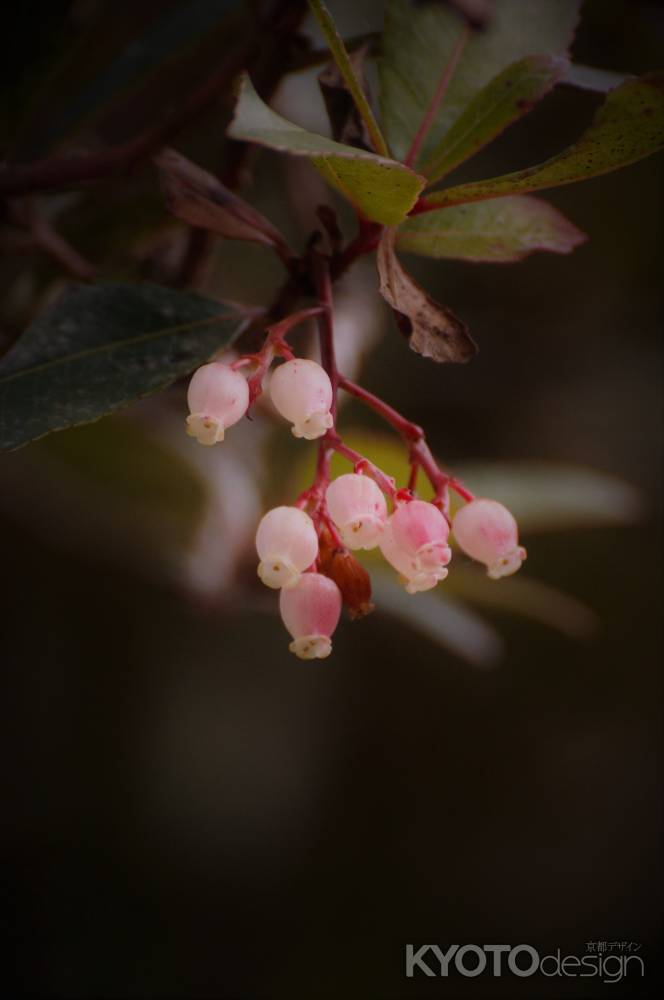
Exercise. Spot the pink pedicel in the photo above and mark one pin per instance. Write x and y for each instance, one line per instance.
(416, 574)
(287, 544)
(357, 507)
(302, 392)
(486, 531)
(310, 611)
(421, 531)
(218, 397)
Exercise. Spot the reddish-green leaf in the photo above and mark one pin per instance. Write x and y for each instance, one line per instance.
(509, 96)
(383, 190)
(628, 127)
(501, 230)
(418, 43)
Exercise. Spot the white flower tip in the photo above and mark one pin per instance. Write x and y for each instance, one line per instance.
(425, 580)
(314, 426)
(311, 647)
(206, 429)
(278, 573)
(362, 534)
(507, 564)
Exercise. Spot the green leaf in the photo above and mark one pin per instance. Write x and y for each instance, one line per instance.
(628, 127)
(383, 190)
(343, 61)
(418, 43)
(101, 347)
(509, 96)
(501, 230)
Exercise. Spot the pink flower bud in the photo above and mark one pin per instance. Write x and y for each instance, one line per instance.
(218, 397)
(287, 544)
(357, 507)
(302, 392)
(486, 531)
(416, 576)
(421, 531)
(310, 611)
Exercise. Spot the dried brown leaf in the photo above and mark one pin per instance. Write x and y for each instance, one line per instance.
(431, 328)
(347, 124)
(199, 198)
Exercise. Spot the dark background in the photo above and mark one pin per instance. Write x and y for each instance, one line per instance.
(189, 811)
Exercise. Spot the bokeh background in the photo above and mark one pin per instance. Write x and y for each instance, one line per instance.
(188, 809)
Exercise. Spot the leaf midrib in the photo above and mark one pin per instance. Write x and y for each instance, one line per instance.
(90, 352)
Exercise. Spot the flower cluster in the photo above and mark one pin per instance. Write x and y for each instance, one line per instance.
(306, 551)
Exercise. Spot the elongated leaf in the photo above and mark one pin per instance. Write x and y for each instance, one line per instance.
(98, 349)
(591, 78)
(200, 199)
(418, 43)
(348, 72)
(509, 96)
(628, 127)
(501, 230)
(383, 190)
(431, 328)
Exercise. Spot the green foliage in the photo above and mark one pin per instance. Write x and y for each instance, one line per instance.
(628, 127)
(98, 349)
(383, 190)
(501, 230)
(342, 59)
(509, 96)
(419, 41)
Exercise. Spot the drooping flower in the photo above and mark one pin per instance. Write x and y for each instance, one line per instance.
(421, 531)
(310, 611)
(287, 544)
(302, 392)
(487, 531)
(218, 396)
(357, 507)
(416, 577)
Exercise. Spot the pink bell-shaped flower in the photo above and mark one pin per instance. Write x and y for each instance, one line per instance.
(486, 531)
(287, 544)
(357, 507)
(218, 397)
(416, 576)
(310, 611)
(302, 392)
(421, 531)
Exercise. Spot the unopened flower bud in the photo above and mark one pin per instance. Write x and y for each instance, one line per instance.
(310, 611)
(218, 397)
(486, 531)
(357, 507)
(302, 392)
(352, 580)
(416, 576)
(287, 544)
